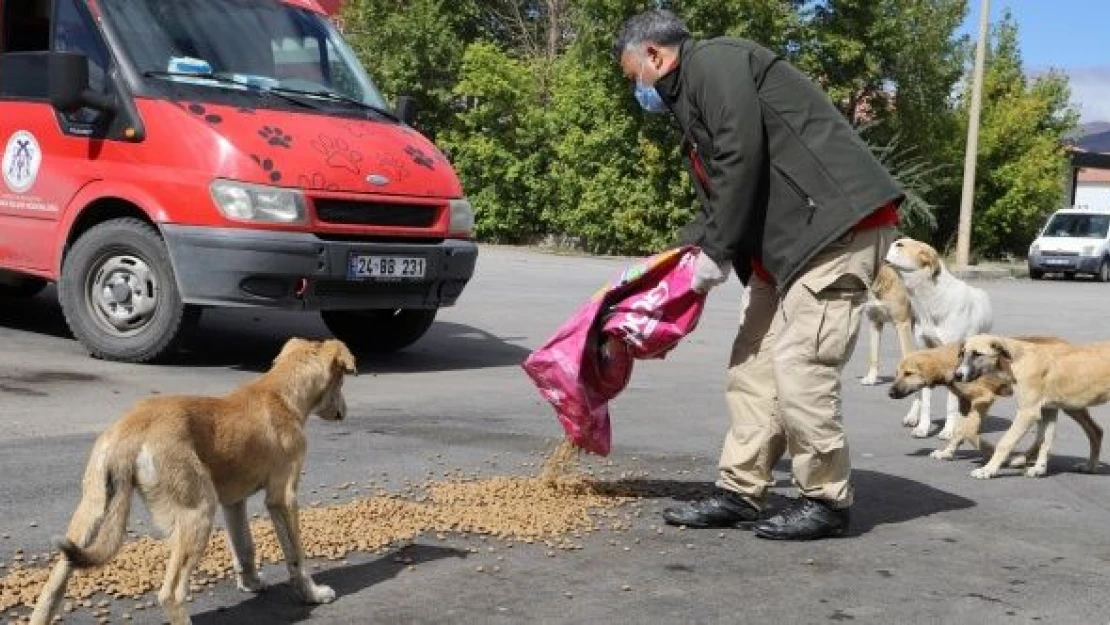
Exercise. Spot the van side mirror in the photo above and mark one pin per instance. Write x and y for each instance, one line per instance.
(68, 84)
(406, 109)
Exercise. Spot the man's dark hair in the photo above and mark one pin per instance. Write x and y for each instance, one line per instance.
(658, 26)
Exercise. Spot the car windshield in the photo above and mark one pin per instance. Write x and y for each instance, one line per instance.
(1081, 226)
(264, 44)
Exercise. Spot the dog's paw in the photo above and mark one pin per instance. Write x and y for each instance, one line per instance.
(1037, 470)
(318, 593)
(1086, 467)
(911, 419)
(1017, 461)
(871, 379)
(947, 433)
(942, 454)
(982, 473)
(250, 583)
(922, 430)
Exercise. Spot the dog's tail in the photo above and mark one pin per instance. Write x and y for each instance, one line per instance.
(100, 521)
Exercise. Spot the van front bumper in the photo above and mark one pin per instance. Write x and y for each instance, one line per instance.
(301, 271)
(1079, 264)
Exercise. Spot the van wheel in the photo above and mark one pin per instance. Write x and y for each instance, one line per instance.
(23, 287)
(119, 294)
(1103, 274)
(1036, 274)
(378, 331)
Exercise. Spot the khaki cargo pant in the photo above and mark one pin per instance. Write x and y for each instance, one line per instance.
(784, 373)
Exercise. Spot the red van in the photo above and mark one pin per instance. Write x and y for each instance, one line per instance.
(162, 156)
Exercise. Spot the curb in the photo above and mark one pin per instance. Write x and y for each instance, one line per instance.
(990, 273)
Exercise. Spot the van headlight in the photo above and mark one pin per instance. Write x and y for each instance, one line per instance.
(241, 201)
(462, 218)
(1034, 249)
(1088, 250)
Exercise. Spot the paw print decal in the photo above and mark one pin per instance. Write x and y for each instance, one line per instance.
(275, 137)
(393, 167)
(357, 130)
(338, 154)
(419, 157)
(200, 111)
(267, 166)
(316, 181)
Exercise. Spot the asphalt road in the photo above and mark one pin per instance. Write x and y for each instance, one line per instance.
(929, 544)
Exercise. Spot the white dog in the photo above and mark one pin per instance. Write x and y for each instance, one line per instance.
(945, 310)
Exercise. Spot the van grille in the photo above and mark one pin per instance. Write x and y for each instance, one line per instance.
(375, 213)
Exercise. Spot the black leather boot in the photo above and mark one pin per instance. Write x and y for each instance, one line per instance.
(723, 509)
(806, 519)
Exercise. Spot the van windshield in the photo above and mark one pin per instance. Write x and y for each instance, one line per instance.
(257, 43)
(1078, 226)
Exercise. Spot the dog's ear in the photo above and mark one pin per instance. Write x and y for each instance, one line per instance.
(1001, 350)
(929, 258)
(290, 346)
(340, 355)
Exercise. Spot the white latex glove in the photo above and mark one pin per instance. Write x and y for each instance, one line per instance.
(708, 273)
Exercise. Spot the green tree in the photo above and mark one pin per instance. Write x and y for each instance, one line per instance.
(415, 47)
(1022, 162)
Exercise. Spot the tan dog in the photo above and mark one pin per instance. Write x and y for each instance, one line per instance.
(188, 455)
(1048, 378)
(889, 304)
(929, 368)
(945, 310)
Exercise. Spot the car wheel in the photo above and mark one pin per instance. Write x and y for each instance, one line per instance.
(378, 331)
(23, 287)
(119, 294)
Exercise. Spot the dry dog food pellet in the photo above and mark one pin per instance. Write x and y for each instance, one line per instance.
(558, 502)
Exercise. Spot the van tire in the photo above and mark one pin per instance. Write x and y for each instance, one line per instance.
(24, 287)
(123, 258)
(1103, 274)
(378, 331)
(1036, 274)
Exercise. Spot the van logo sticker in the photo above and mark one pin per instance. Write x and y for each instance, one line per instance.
(267, 166)
(22, 160)
(338, 154)
(275, 137)
(200, 111)
(419, 157)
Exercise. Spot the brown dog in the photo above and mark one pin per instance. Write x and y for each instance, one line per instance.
(933, 367)
(1048, 378)
(889, 304)
(188, 455)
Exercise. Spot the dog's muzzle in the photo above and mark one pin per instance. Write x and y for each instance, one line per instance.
(897, 392)
(962, 374)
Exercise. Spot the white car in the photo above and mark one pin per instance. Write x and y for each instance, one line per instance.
(1073, 241)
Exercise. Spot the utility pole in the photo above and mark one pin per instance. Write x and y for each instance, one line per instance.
(963, 236)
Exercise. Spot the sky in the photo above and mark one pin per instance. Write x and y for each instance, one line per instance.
(1070, 35)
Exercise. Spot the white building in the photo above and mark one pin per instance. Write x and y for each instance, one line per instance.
(1092, 189)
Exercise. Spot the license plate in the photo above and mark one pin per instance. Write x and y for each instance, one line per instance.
(1057, 262)
(361, 267)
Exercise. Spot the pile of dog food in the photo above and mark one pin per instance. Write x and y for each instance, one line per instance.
(555, 507)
